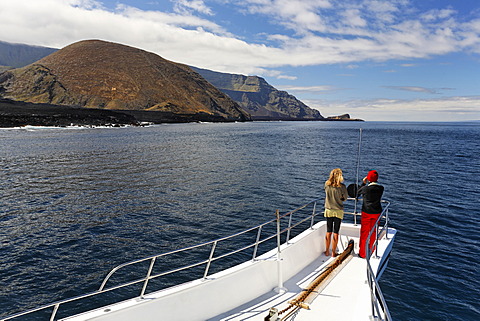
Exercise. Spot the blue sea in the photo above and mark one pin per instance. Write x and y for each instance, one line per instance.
(75, 202)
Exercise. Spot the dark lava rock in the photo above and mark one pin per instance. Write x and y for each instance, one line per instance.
(15, 114)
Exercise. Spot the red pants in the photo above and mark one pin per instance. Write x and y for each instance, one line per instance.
(368, 221)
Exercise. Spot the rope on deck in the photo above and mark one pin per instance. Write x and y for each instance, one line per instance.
(300, 300)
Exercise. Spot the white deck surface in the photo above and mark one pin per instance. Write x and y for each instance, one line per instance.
(347, 286)
(346, 296)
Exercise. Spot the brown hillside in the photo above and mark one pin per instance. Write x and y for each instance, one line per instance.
(101, 74)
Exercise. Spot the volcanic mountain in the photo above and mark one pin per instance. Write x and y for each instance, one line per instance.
(100, 74)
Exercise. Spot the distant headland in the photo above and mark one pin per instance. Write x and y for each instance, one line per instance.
(96, 82)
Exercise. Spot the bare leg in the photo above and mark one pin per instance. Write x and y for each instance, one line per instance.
(334, 244)
(328, 236)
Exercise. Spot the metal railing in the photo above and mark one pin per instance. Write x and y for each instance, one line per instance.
(380, 309)
(305, 213)
(259, 240)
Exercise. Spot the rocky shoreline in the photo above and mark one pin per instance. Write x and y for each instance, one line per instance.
(18, 114)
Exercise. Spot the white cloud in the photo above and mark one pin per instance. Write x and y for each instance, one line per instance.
(471, 36)
(287, 77)
(309, 89)
(384, 11)
(414, 89)
(324, 32)
(179, 21)
(354, 18)
(438, 14)
(441, 109)
(298, 15)
(172, 36)
(307, 33)
(187, 6)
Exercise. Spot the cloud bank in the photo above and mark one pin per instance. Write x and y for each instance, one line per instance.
(451, 108)
(314, 31)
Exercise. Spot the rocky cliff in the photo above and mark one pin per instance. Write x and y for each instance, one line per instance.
(259, 98)
(107, 75)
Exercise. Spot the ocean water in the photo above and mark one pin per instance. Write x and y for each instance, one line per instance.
(77, 202)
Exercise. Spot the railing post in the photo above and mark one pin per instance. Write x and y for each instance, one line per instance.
(279, 288)
(379, 305)
(313, 214)
(371, 284)
(256, 243)
(386, 223)
(289, 227)
(150, 268)
(54, 312)
(210, 260)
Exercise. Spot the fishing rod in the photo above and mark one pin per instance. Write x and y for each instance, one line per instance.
(356, 179)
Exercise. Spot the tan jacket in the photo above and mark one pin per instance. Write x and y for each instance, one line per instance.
(335, 196)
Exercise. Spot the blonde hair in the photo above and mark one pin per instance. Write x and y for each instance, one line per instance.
(336, 178)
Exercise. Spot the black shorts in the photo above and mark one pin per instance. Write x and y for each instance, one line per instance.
(333, 224)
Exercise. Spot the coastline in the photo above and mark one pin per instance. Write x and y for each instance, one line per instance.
(19, 114)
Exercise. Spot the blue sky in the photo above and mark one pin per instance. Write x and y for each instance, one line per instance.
(411, 60)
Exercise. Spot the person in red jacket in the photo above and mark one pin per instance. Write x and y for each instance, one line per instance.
(371, 209)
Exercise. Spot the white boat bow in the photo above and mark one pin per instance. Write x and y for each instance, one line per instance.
(264, 283)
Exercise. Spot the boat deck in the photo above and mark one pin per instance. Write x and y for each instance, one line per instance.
(344, 296)
(348, 285)
(249, 290)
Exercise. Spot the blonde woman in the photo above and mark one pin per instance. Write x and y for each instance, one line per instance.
(335, 194)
